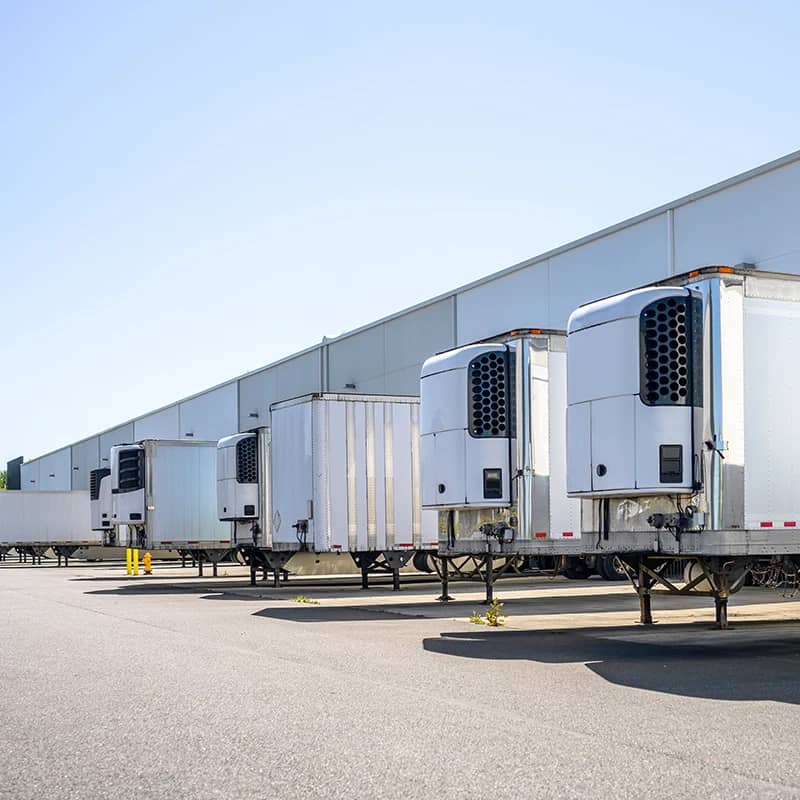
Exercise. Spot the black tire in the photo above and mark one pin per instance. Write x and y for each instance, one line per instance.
(421, 562)
(577, 570)
(608, 569)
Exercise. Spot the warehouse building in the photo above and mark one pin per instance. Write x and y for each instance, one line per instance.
(749, 219)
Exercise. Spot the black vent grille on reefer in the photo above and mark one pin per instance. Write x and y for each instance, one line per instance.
(131, 470)
(247, 460)
(490, 395)
(671, 337)
(95, 476)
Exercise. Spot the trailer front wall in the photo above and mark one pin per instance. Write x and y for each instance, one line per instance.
(181, 496)
(351, 468)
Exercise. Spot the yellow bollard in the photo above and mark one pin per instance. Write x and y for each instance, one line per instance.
(147, 561)
(129, 561)
(135, 560)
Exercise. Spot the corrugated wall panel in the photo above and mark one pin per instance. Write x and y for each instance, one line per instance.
(159, 425)
(121, 435)
(412, 338)
(85, 458)
(544, 294)
(291, 378)
(754, 221)
(518, 300)
(211, 415)
(631, 257)
(55, 471)
(256, 392)
(29, 473)
(357, 360)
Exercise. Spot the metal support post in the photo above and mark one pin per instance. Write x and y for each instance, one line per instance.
(199, 566)
(214, 569)
(645, 609)
(445, 595)
(489, 579)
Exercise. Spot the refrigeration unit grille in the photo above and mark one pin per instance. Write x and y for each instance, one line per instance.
(131, 470)
(490, 395)
(95, 476)
(247, 460)
(671, 348)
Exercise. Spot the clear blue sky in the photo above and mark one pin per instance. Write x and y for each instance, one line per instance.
(189, 190)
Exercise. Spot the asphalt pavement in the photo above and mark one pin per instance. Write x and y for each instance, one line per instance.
(174, 687)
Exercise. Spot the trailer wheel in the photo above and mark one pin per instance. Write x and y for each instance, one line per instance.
(577, 569)
(422, 562)
(610, 569)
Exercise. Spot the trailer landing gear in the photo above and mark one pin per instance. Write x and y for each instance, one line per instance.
(66, 552)
(716, 577)
(385, 561)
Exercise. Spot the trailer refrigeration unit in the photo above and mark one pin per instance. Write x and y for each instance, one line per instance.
(33, 522)
(163, 491)
(683, 429)
(493, 444)
(333, 473)
(101, 505)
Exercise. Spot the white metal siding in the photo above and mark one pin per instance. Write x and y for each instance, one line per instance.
(55, 472)
(755, 221)
(29, 475)
(544, 294)
(256, 393)
(357, 359)
(121, 435)
(159, 425)
(211, 415)
(85, 458)
(751, 218)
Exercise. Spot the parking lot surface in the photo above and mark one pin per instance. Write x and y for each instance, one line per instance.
(171, 686)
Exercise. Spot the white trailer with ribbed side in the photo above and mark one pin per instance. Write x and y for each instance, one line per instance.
(163, 495)
(333, 473)
(33, 522)
(683, 431)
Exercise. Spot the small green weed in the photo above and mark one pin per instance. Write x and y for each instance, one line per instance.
(303, 599)
(494, 616)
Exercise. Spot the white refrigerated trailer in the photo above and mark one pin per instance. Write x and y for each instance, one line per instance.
(164, 494)
(493, 443)
(33, 522)
(683, 431)
(333, 473)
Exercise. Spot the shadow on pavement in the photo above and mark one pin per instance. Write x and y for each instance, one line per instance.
(302, 612)
(747, 662)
